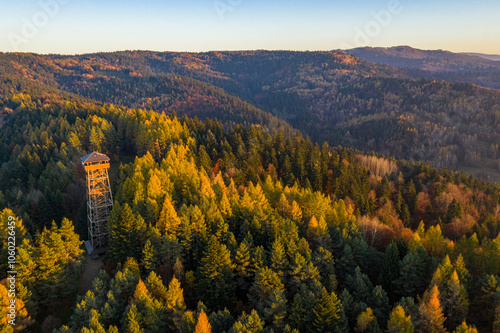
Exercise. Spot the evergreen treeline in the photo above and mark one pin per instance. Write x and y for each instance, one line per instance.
(236, 229)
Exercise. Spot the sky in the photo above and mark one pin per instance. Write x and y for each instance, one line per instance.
(86, 26)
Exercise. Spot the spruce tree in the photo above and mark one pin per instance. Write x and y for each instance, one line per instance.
(390, 269)
(301, 317)
(156, 287)
(242, 265)
(131, 322)
(148, 257)
(266, 281)
(327, 313)
(379, 302)
(127, 233)
(359, 285)
(276, 310)
(399, 322)
(216, 284)
(412, 279)
(278, 258)
(489, 297)
(455, 302)
(346, 263)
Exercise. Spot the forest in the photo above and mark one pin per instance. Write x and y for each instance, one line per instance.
(225, 227)
(327, 96)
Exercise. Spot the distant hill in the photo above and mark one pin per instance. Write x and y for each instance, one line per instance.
(432, 61)
(478, 69)
(493, 57)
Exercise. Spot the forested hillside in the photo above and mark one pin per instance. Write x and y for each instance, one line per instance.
(328, 96)
(237, 229)
(437, 65)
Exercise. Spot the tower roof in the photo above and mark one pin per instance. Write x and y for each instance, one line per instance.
(94, 157)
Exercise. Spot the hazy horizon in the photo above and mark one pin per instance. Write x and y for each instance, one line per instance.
(471, 53)
(69, 27)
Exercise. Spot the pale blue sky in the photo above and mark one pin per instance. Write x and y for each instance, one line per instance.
(83, 26)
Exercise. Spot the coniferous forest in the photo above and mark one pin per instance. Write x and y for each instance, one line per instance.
(228, 217)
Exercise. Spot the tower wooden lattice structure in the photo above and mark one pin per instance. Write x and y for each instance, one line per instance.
(99, 201)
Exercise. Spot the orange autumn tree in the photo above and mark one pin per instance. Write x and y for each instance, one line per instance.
(430, 311)
(203, 325)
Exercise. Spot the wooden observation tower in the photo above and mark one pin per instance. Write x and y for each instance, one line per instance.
(99, 201)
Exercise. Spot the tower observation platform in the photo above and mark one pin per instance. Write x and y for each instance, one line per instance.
(99, 201)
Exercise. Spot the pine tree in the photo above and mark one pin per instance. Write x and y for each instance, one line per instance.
(149, 257)
(248, 324)
(367, 322)
(154, 188)
(379, 302)
(414, 243)
(127, 233)
(156, 287)
(301, 316)
(141, 295)
(94, 326)
(434, 241)
(278, 258)
(169, 222)
(266, 281)
(454, 211)
(346, 262)
(276, 310)
(412, 279)
(323, 260)
(242, 265)
(464, 328)
(489, 295)
(399, 322)
(327, 313)
(430, 312)
(221, 321)
(283, 205)
(359, 285)
(390, 268)
(202, 325)
(302, 271)
(258, 259)
(384, 189)
(216, 284)
(454, 301)
(71, 240)
(225, 206)
(295, 212)
(463, 273)
(131, 323)
(175, 297)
